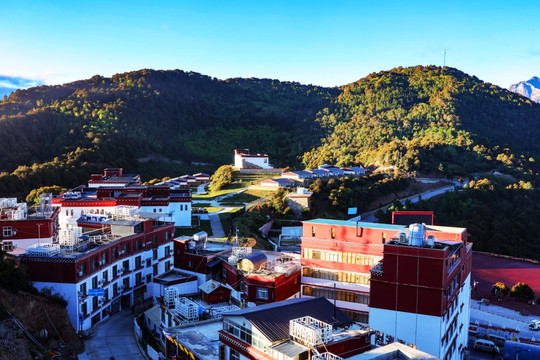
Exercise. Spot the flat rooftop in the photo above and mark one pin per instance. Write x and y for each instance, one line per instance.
(202, 340)
(370, 225)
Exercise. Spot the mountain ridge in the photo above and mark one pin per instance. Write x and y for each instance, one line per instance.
(425, 119)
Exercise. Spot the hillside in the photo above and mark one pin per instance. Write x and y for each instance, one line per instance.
(428, 120)
(421, 119)
(175, 115)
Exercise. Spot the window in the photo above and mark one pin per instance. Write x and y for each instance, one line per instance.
(114, 271)
(138, 262)
(82, 269)
(234, 355)
(106, 295)
(7, 246)
(125, 265)
(94, 302)
(137, 244)
(82, 288)
(333, 233)
(167, 266)
(167, 250)
(8, 231)
(313, 231)
(94, 282)
(114, 253)
(138, 278)
(125, 248)
(154, 254)
(105, 276)
(115, 288)
(94, 263)
(155, 269)
(105, 258)
(262, 293)
(84, 309)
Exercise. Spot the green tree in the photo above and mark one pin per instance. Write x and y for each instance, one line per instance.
(500, 289)
(221, 178)
(522, 291)
(33, 196)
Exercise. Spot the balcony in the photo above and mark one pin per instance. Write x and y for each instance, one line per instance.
(377, 270)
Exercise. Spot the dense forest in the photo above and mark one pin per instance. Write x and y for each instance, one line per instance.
(430, 120)
(57, 135)
(417, 120)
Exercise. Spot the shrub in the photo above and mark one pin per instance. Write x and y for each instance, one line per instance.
(500, 289)
(522, 291)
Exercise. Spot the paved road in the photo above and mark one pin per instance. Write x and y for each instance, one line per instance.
(217, 228)
(113, 338)
(370, 217)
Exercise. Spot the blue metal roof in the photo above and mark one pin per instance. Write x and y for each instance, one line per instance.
(368, 225)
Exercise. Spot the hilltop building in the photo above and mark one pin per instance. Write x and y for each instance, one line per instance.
(337, 257)
(420, 290)
(22, 227)
(103, 272)
(244, 160)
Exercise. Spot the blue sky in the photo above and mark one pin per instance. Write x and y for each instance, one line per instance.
(313, 42)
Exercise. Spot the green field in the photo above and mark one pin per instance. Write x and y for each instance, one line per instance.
(246, 197)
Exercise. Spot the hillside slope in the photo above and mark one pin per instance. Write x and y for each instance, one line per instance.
(430, 120)
(174, 114)
(420, 119)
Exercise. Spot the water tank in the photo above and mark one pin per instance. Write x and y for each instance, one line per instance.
(200, 236)
(431, 241)
(416, 234)
(252, 262)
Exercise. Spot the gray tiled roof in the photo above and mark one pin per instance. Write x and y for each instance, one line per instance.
(273, 319)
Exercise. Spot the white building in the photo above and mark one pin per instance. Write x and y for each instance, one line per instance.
(103, 272)
(244, 160)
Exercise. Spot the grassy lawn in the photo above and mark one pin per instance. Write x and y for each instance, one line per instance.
(212, 196)
(241, 181)
(205, 226)
(246, 197)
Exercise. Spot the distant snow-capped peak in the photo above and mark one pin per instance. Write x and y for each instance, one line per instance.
(529, 88)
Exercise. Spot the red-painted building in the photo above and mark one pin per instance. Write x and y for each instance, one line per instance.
(420, 291)
(102, 272)
(337, 257)
(21, 227)
(106, 193)
(214, 292)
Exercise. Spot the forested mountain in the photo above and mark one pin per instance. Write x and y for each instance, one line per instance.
(431, 120)
(59, 134)
(425, 119)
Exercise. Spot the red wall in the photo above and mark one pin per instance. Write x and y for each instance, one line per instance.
(221, 294)
(414, 279)
(65, 270)
(32, 228)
